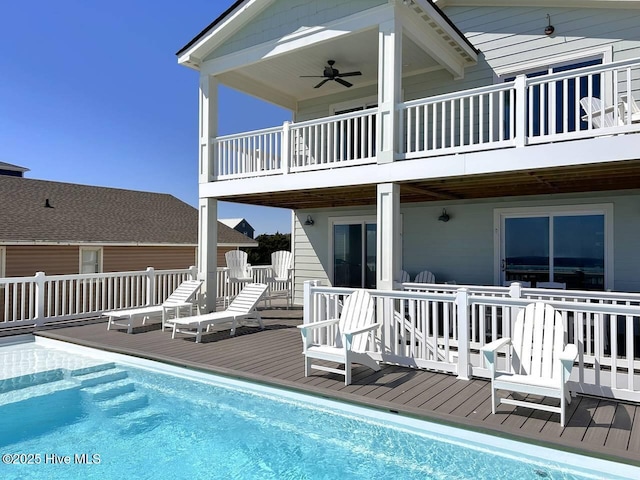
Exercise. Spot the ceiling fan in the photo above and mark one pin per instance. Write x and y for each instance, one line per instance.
(331, 73)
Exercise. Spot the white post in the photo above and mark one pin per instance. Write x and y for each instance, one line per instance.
(285, 148)
(208, 251)
(389, 88)
(208, 127)
(462, 304)
(388, 236)
(39, 294)
(308, 306)
(193, 272)
(151, 285)
(520, 114)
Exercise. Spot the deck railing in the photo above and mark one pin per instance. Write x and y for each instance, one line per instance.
(52, 298)
(226, 290)
(581, 103)
(443, 327)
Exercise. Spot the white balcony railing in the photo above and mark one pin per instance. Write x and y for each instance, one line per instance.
(52, 298)
(442, 327)
(581, 103)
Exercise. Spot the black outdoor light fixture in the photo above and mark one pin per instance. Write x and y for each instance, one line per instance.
(444, 217)
(309, 221)
(549, 29)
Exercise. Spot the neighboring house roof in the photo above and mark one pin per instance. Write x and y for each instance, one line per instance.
(90, 214)
(233, 222)
(13, 168)
(228, 237)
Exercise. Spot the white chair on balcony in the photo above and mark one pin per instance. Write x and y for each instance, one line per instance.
(540, 362)
(346, 345)
(405, 277)
(630, 105)
(238, 272)
(280, 281)
(425, 276)
(600, 116)
(182, 299)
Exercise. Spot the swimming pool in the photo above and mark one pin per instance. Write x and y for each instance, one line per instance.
(70, 412)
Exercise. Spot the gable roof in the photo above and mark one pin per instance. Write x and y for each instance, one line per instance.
(233, 222)
(13, 168)
(90, 214)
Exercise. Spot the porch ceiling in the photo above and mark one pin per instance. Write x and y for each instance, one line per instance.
(573, 179)
(355, 52)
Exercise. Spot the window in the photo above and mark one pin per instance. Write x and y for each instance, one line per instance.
(90, 260)
(354, 253)
(566, 245)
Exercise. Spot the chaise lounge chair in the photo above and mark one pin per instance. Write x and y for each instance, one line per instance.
(540, 362)
(243, 307)
(181, 298)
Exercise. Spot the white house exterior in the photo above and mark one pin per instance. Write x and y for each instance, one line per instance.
(529, 141)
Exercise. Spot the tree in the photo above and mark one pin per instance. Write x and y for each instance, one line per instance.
(267, 244)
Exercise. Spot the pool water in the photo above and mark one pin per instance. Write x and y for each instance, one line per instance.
(113, 420)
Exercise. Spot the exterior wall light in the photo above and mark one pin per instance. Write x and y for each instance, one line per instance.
(309, 221)
(549, 29)
(444, 217)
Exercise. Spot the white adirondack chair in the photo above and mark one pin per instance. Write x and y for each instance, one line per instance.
(425, 277)
(404, 277)
(281, 276)
(351, 340)
(239, 271)
(243, 307)
(540, 362)
(181, 299)
(599, 115)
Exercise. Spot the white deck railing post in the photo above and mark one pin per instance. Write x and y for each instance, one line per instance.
(285, 148)
(308, 302)
(520, 114)
(193, 272)
(40, 279)
(462, 306)
(151, 285)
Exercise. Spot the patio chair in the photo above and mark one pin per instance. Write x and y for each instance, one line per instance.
(238, 271)
(242, 308)
(354, 325)
(281, 276)
(404, 277)
(181, 299)
(540, 361)
(630, 105)
(425, 276)
(599, 116)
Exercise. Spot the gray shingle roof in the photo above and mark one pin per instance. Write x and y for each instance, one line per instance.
(83, 213)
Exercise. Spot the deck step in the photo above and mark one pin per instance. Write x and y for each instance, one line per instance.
(141, 420)
(108, 390)
(101, 376)
(123, 403)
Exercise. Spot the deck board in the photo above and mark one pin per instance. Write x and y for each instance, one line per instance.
(596, 427)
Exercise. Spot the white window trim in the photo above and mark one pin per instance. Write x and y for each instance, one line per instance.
(351, 104)
(93, 249)
(358, 219)
(606, 209)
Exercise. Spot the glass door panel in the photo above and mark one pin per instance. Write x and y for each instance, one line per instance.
(354, 255)
(578, 257)
(526, 250)
(371, 241)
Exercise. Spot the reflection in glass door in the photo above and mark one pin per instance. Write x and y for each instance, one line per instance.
(354, 255)
(526, 250)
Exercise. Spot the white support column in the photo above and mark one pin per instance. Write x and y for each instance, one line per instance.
(208, 251)
(389, 87)
(389, 240)
(208, 127)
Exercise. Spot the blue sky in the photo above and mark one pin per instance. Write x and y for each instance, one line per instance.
(91, 93)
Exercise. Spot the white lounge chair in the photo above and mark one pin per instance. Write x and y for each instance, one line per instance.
(425, 277)
(355, 324)
(181, 299)
(540, 362)
(238, 271)
(243, 307)
(281, 276)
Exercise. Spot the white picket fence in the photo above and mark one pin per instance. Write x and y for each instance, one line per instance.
(52, 298)
(442, 328)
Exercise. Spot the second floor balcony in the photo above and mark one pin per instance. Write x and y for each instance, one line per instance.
(594, 101)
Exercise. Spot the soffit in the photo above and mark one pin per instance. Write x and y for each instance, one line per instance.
(609, 176)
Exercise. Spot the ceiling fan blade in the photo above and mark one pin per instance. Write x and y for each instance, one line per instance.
(312, 76)
(322, 83)
(349, 74)
(343, 82)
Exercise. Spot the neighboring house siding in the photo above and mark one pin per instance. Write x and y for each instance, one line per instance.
(119, 259)
(222, 261)
(463, 248)
(26, 260)
(285, 17)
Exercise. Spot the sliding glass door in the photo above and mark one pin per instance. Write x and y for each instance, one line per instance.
(354, 254)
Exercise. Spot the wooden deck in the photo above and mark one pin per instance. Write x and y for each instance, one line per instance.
(597, 427)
